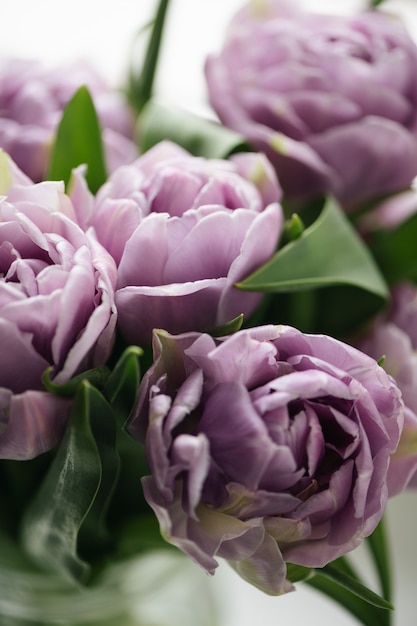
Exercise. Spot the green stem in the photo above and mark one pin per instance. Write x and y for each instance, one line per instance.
(141, 83)
(378, 547)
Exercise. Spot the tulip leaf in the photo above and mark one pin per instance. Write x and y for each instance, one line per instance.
(228, 328)
(201, 137)
(79, 141)
(141, 82)
(395, 250)
(297, 573)
(122, 386)
(96, 376)
(293, 229)
(121, 391)
(74, 494)
(378, 547)
(354, 586)
(367, 613)
(328, 252)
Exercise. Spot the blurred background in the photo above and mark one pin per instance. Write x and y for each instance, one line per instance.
(102, 34)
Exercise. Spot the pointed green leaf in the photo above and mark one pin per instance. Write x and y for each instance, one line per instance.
(366, 613)
(82, 472)
(79, 141)
(354, 586)
(343, 564)
(329, 252)
(229, 328)
(122, 386)
(293, 229)
(93, 533)
(96, 376)
(141, 81)
(199, 136)
(378, 547)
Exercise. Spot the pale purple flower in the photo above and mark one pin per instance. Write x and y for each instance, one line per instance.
(265, 447)
(332, 100)
(183, 230)
(56, 308)
(393, 338)
(32, 99)
(389, 213)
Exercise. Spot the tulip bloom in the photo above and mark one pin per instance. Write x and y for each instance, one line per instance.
(56, 308)
(265, 447)
(393, 337)
(32, 99)
(183, 230)
(331, 100)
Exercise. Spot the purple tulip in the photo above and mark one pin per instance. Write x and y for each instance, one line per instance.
(331, 100)
(183, 230)
(56, 308)
(393, 337)
(265, 447)
(390, 213)
(32, 99)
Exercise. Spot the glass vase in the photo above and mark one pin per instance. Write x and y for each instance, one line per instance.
(159, 588)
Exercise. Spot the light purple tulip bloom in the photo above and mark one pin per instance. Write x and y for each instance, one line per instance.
(389, 213)
(183, 230)
(331, 100)
(265, 447)
(56, 308)
(393, 338)
(32, 99)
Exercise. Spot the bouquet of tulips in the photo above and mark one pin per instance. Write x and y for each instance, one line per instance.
(208, 329)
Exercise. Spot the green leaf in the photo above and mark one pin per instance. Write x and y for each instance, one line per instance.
(75, 492)
(329, 252)
(122, 386)
(340, 582)
(297, 573)
(96, 376)
(395, 251)
(79, 141)
(94, 534)
(199, 136)
(229, 328)
(378, 547)
(366, 613)
(343, 564)
(354, 586)
(293, 229)
(141, 82)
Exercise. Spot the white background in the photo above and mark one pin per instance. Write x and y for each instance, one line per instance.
(102, 32)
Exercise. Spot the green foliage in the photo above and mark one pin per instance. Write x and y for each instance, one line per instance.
(73, 498)
(122, 385)
(96, 376)
(293, 229)
(378, 547)
(79, 141)
(141, 81)
(199, 136)
(229, 328)
(329, 252)
(364, 611)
